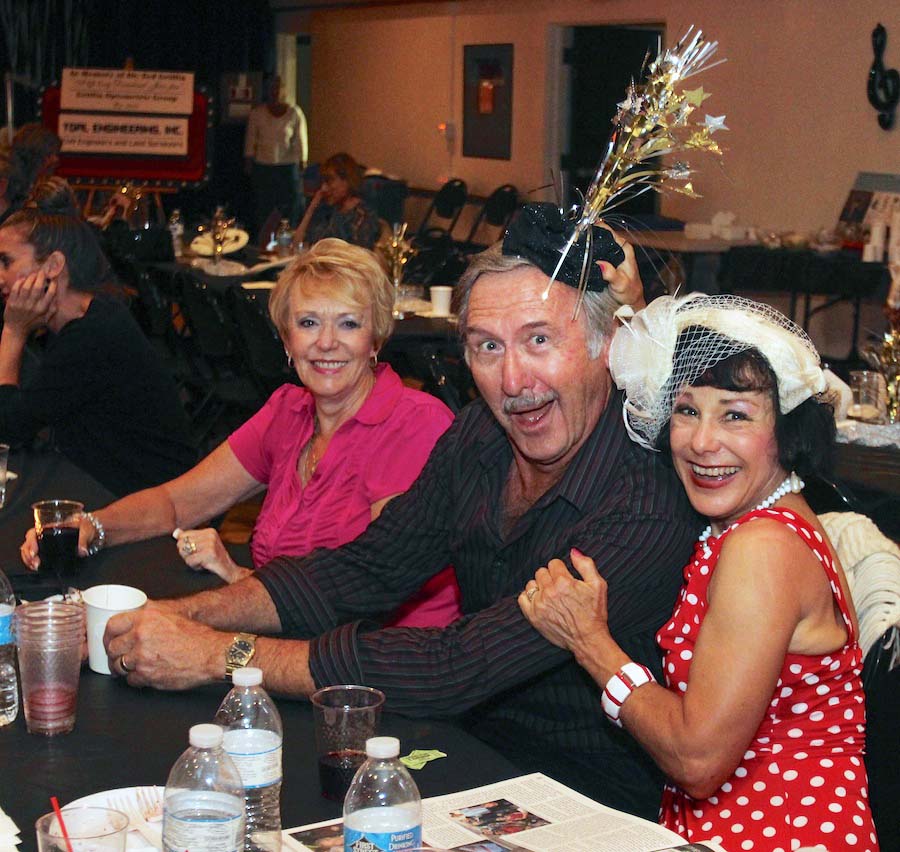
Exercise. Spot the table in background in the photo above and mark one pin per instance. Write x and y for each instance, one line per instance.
(687, 251)
(801, 273)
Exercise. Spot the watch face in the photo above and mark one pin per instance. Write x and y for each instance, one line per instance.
(240, 652)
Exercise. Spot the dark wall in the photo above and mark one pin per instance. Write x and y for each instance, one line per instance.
(208, 38)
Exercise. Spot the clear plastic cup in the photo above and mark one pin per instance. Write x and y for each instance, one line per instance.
(88, 828)
(49, 638)
(345, 717)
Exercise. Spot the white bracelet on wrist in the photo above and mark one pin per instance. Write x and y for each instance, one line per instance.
(620, 686)
(99, 534)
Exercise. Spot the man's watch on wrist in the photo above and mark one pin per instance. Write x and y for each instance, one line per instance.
(239, 653)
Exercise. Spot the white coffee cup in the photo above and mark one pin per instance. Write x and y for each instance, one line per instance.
(440, 301)
(103, 602)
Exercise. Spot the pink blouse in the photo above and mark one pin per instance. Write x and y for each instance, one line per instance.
(377, 453)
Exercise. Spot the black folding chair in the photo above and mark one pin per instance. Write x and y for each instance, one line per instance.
(496, 211)
(259, 340)
(226, 393)
(446, 206)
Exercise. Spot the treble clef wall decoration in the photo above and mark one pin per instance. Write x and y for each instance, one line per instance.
(884, 85)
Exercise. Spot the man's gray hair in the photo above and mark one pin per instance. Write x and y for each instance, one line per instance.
(598, 308)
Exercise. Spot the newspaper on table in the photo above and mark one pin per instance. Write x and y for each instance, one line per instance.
(532, 813)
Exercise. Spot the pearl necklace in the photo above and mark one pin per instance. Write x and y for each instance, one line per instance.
(793, 484)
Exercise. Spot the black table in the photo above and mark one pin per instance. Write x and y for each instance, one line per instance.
(125, 737)
(802, 274)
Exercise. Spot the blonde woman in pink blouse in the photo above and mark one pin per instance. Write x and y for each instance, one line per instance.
(331, 453)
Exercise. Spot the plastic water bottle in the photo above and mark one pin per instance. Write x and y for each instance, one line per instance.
(253, 737)
(284, 239)
(203, 807)
(176, 229)
(9, 686)
(382, 810)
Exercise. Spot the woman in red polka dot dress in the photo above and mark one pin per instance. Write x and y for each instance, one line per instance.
(761, 724)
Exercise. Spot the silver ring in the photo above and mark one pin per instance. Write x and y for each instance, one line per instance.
(531, 593)
(189, 546)
(123, 666)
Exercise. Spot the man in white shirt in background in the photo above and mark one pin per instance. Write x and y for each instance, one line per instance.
(275, 152)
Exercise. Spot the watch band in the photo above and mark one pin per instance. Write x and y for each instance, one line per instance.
(99, 533)
(239, 653)
(620, 686)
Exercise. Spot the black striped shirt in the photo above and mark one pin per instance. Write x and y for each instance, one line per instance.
(616, 502)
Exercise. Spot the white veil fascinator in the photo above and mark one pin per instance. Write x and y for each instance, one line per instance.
(706, 330)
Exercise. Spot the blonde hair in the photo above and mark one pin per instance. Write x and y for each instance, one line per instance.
(349, 273)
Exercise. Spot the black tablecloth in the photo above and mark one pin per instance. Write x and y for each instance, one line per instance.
(125, 737)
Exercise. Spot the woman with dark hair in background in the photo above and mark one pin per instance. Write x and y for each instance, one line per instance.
(760, 726)
(337, 210)
(12, 184)
(36, 151)
(113, 408)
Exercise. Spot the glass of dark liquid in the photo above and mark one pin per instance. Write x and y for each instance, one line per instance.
(56, 524)
(345, 717)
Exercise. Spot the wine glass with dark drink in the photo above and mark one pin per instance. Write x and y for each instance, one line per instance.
(56, 524)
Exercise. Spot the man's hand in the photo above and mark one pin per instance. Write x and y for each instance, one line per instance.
(31, 304)
(156, 647)
(624, 280)
(203, 550)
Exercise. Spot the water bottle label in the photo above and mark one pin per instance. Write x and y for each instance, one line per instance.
(225, 835)
(203, 821)
(6, 618)
(388, 841)
(257, 755)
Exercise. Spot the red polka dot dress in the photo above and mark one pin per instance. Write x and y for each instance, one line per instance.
(802, 780)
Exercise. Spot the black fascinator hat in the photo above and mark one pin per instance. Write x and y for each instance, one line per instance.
(541, 234)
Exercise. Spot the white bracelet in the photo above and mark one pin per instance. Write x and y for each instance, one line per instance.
(625, 681)
(99, 533)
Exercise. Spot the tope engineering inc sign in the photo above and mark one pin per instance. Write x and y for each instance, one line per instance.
(121, 111)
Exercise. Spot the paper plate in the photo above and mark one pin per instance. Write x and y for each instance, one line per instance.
(108, 798)
(235, 240)
(223, 267)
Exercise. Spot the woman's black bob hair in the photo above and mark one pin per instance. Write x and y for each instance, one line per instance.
(805, 436)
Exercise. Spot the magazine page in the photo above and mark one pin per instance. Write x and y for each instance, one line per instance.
(532, 812)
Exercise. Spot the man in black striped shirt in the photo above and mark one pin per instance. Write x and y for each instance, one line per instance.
(541, 464)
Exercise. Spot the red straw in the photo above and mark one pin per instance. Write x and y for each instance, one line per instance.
(62, 824)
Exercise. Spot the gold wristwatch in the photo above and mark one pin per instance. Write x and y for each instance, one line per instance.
(239, 653)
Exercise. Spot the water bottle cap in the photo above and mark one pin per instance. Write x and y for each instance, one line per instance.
(382, 747)
(206, 736)
(247, 676)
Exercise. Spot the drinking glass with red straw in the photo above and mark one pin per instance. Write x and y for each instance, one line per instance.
(62, 825)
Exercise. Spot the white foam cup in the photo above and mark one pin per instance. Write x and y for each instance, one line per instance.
(103, 602)
(440, 301)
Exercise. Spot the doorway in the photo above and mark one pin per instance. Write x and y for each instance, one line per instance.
(599, 63)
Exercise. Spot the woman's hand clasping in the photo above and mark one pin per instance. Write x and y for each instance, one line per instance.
(566, 611)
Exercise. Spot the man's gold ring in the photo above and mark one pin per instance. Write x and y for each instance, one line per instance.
(124, 666)
(531, 593)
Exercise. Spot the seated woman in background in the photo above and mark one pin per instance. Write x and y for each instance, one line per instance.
(337, 210)
(113, 407)
(761, 725)
(332, 453)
